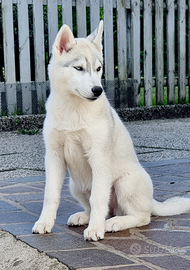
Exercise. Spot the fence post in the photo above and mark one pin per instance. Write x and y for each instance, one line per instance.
(122, 52)
(39, 50)
(108, 50)
(67, 13)
(52, 23)
(181, 51)
(94, 14)
(24, 54)
(189, 48)
(81, 18)
(159, 51)
(3, 110)
(147, 52)
(135, 47)
(9, 56)
(170, 51)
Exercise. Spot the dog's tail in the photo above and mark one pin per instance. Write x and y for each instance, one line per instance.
(170, 207)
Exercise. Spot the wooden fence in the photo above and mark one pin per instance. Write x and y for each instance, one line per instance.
(146, 49)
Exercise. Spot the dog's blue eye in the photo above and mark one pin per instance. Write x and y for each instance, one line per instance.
(79, 68)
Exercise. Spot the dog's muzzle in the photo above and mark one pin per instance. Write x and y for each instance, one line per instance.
(97, 91)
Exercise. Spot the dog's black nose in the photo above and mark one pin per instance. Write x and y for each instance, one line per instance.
(97, 90)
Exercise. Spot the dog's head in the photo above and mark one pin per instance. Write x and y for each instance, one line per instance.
(76, 64)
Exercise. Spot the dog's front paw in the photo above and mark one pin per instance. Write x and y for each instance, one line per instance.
(78, 219)
(42, 227)
(93, 234)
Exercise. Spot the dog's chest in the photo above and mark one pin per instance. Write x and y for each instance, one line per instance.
(76, 147)
(73, 148)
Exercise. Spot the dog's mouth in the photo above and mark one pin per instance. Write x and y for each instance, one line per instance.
(92, 99)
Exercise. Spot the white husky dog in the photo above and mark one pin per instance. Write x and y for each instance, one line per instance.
(84, 134)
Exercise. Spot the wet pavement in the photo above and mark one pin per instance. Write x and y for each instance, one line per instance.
(163, 147)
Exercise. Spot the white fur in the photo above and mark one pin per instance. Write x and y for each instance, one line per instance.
(87, 137)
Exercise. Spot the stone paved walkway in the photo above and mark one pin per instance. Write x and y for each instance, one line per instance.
(163, 244)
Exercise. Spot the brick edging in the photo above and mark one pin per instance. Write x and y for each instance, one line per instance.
(13, 123)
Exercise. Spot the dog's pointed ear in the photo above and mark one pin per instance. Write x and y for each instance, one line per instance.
(64, 40)
(96, 36)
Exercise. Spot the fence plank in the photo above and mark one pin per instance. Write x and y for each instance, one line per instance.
(94, 14)
(170, 21)
(2, 89)
(122, 51)
(39, 50)
(9, 57)
(147, 27)
(108, 49)
(135, 47)
(23, 31)
(159, 51)
(24, 54)
(52, 23)
(81, 18)
(67, 13)
(181, 51)
(128, 47)
(189, 46)
(129, 54)
(8, 41)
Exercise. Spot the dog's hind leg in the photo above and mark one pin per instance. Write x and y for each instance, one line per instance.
(134, 200)
(80, 218)
(120, 223)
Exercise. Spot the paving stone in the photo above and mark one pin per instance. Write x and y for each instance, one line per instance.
(183, 223)
(169, 170)
(177, 217)
(155, 224)
(64, 207)
(185, 175)
(62, 219)
(169, 238)
(16, 217)
(176, 186)
(5, 184)
(18, 189)
(34, 207)
(161, 193)
(26, 197)
(77, 229)
(18, 229)
(27, 179)
(134, 246)
(166, 162)
(40, 185)
(157, 184)
(163, 243)
(4, 207)
(56, 241)
(89, 257)
(169, 262)
(170, 178)
(125, 233)
(23, 228)
(135, 267)
(68, 207)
